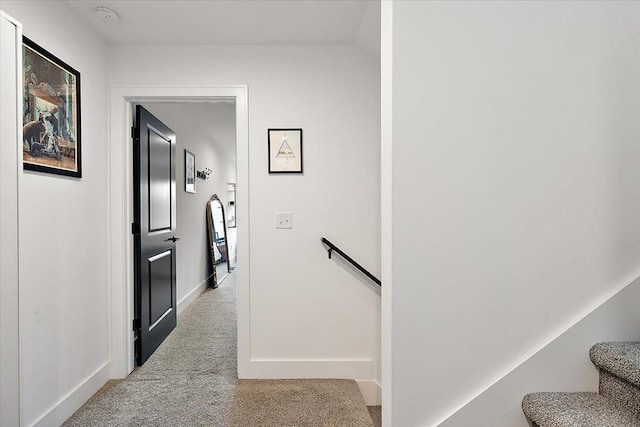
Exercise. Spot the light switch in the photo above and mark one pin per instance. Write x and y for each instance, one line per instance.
(283, 220)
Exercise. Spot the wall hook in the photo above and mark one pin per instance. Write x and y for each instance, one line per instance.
(204, 174)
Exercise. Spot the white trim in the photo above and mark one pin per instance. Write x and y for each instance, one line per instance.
(223, 278)
(193, 295)
(69, 404)
(386, 199)
(304, 368)
(371, 392)
(11, 410)
(242, 242)
(121, 207)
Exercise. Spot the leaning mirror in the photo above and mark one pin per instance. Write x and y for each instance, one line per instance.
(218, 244)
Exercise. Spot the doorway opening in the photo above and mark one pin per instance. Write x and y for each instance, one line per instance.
(206, 157)
(121, 179)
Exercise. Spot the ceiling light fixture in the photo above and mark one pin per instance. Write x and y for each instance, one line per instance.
(107, 16)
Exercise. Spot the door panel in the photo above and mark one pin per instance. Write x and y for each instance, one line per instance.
(155, 243)
(160, 272)
(159, 181)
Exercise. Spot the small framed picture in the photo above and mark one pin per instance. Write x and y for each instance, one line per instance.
(189, 172)
(51, 113)
(285, 150)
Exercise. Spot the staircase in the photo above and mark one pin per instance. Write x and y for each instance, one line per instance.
(616, 405)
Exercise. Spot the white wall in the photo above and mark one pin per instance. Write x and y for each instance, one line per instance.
(64, 328)
(206, 141)
(563, 365)
(515, 169)
(310, 316)
(368, 38)
(10, 128)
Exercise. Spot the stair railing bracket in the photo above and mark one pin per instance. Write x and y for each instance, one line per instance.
(331, 247)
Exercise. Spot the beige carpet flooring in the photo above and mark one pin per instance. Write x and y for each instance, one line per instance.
(376, 415)
(191, 380)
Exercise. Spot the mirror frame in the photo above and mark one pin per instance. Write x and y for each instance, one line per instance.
(209, 214)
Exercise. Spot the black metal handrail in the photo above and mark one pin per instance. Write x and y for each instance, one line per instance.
(364, 271)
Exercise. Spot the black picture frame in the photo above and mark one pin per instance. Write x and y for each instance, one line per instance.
(189, 172)
(285, 150)
(52, 137)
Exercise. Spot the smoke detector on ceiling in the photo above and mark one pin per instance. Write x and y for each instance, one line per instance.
(107, 16)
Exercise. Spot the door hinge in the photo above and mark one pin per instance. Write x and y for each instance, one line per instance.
(133, 132)
(136, 324)
(135, 228)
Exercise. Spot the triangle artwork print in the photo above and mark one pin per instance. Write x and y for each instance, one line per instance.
(285, 150)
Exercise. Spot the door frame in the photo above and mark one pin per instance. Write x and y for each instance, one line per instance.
(121, 280)
(11, 404)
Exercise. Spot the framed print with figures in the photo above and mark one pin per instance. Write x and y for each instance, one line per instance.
(51, 113)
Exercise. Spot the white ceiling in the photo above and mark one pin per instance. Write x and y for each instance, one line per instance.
(231, 21)
(234, 22)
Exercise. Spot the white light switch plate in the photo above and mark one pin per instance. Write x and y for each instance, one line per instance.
(283, 220)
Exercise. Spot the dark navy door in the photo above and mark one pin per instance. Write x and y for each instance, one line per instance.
(155, 232)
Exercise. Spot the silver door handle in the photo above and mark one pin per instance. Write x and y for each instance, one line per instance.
(173, 239)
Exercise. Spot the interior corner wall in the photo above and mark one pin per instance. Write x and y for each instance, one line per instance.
(517, 122)
(64, 330)
(206, 143)
(309, 316)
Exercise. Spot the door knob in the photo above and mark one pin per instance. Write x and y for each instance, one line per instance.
(173, 239)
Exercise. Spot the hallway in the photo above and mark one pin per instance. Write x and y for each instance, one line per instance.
(191, 380)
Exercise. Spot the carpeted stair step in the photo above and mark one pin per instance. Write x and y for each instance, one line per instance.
(619, 364)
(576, 409)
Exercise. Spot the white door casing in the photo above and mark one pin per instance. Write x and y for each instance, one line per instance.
(121, 212)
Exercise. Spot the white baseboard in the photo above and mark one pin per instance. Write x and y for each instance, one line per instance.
(69, 404)
(371, 391)
(193, 295)
(278, 369)
(221, 279)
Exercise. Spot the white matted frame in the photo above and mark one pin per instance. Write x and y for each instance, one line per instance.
(121, 212)
(285, 150)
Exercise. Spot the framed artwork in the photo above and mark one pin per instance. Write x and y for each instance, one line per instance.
(51, 113)
(285, 150)
(189, 172)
